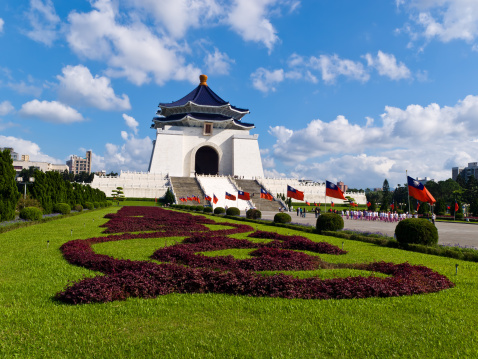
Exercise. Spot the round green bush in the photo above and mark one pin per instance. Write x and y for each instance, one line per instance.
(63, 208)
(282, 218)
(459, 216)
(219, 210)
(253, 214)
(417, 231)
(329, 222)
(96, 204)
(31, 213)
(109, 203)
(233, 211)
(78, 207)
(207, 209)
(200, 208)
(88, 205)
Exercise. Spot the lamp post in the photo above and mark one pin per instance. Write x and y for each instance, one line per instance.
(30, 181)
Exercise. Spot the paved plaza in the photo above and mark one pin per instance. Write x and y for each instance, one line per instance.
(459, 233)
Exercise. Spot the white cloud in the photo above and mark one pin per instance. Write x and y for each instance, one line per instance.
(333, 66)
(249, 19)
(1, 25)
(44, 21)
(265, 80)
(54, 112)
(386, 65)
(445, 20)
(426, 141)
(218, 63)
(78, 86)
(25, 89)
(6, 108)
(25, 147)
(133, 155)
(131, 50)
(131, 123)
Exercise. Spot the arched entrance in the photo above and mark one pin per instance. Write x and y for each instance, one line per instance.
(207, 161)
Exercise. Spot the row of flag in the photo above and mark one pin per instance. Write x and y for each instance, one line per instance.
(246, 196)
(331, 190)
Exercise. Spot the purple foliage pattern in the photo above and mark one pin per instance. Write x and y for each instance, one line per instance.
(185, 270)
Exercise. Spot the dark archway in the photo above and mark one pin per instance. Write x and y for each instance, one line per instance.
(207, 161)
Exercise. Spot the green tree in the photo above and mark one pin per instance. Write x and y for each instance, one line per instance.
(386, 196)
(169, 197)
(9, 193)
(118, 194)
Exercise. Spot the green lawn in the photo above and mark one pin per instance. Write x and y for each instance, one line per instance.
(32, 325)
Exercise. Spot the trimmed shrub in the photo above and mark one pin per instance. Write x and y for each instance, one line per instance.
(28, 202)
(109, 203)
(207, 209)
(31, 214)
(63, 208)
(282, 218)
(78, 207)
(459, 215)
(219, 210)
(253, 213)
(89, 205)
(96, 204)
(416, 231)
(233, 211)
(200, 208)
(329, 222)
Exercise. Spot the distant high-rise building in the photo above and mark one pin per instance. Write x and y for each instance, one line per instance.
(13, 154)
(465, 172)
(78, 164)
(343, 187)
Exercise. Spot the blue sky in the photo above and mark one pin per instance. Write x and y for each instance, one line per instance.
(357, 91)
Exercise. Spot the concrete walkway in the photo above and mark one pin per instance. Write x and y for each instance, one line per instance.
(458, 233)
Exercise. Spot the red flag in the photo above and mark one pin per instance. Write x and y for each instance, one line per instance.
(419, 192)
(214, 198)
(331, 190)
(315, 204)
(456, 206)
(307, 203)
(266, 195)
(418, 205)
(243, 195)
(333, 204)
(369, 204)
(293, 193)
(208, 198)
(230, 197)
(189, 199)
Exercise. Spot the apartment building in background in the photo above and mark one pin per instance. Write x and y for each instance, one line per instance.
(78, 164)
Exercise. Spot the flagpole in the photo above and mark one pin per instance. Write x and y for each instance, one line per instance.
(408, 191)
(325, 197)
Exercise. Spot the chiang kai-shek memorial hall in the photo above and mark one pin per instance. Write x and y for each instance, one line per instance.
(201, 134)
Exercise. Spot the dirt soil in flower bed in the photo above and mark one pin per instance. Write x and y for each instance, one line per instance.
(185, 269)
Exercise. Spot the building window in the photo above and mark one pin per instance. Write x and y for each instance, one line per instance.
(207, 130)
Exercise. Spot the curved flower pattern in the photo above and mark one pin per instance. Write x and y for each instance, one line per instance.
(188, 271)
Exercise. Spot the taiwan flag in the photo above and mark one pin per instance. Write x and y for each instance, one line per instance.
(230, 197)
(243, 195)
(315, 204)
(392, 206)
(307, 203)
(369, 204)
(419, 192)
(331, 190)
(293, 193)
(214, 198)
(456, 206)
(208, 198)
(418, 205)
(188, 198)
(332, 204)
(266, 195)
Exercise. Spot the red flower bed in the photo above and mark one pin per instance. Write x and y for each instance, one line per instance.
(202, 274)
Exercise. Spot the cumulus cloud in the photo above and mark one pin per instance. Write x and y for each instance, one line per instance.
(44, 21)
(131, 123)
(6, 108)
(332, 66)
(249, 19)
(131, 50)
(50, 111)
(218, 63)
(265, 80)
(132, 155)
(444, 20)
(78, 86)
(420, 139)
(25, 147)
(386, 65)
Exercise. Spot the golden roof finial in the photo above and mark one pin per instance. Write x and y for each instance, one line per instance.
(203, 80)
